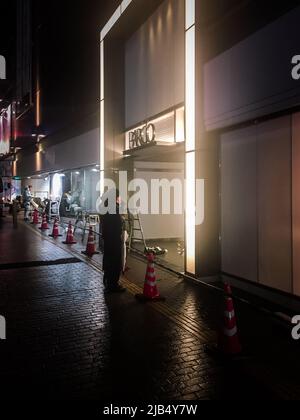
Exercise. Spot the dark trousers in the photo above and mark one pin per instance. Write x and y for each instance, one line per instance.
(111, 278)
(112, 263)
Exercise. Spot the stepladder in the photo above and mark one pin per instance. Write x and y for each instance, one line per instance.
(135, 230)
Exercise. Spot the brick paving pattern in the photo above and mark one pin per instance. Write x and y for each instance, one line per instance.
(67, 339)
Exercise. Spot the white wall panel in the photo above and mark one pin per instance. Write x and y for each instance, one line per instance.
(161, 226)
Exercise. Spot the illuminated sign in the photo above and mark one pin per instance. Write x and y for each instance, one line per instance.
(166, 129)
(142, 136)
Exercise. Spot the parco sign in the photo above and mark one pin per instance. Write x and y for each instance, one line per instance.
(2, 68)
(142, 136)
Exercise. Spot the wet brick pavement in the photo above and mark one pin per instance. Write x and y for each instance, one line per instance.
(67, 339)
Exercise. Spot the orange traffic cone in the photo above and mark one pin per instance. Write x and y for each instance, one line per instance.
(151, 292)
(35, 219)
(229, 343)
(44, 223)
(55, 233)
(91, 245)
(70, 236)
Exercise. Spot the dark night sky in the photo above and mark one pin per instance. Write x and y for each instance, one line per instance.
(7, 26)
(69, 34)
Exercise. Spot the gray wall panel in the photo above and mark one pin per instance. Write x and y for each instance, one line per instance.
(238, 189)
(154, 63)
(296, 204)
(253, 78)
(274, 203)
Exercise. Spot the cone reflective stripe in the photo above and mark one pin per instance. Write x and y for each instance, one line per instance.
(230, 333)
(150, 292)
(70, 236)
(55, 233)
(229, 315)
(44, 223)
(150, 275)
(91, 245)
(35, 219)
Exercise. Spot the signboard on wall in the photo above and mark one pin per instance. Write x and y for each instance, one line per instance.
(165, 129)
(5, 131)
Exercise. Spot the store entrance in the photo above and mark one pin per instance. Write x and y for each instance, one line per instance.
(161, 233)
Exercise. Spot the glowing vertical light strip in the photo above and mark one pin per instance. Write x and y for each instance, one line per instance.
(102, 149)
(190, 212)
(102, 70)
(190, 88)
(38, 108)
(190, 135)
(102, 121)
(190, 13)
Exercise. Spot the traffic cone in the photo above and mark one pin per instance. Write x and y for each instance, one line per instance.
(35, 219)
(70, 236)
(151, 292)
(55, 233)
(91, 245)
(44, 223)
(229, 343)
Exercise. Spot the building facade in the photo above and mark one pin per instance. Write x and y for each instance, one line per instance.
(224, 110)
(191, 90)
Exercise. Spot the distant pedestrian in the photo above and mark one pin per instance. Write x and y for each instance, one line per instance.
(112, 226)
(27, 198)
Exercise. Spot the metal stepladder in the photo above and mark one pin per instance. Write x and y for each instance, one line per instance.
(135, 226)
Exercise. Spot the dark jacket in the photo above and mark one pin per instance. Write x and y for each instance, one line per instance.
(112, 228)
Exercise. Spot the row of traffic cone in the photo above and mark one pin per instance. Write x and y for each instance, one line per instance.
(70, 240)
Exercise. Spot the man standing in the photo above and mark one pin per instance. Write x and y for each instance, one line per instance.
(27, 198)
(112, 231)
